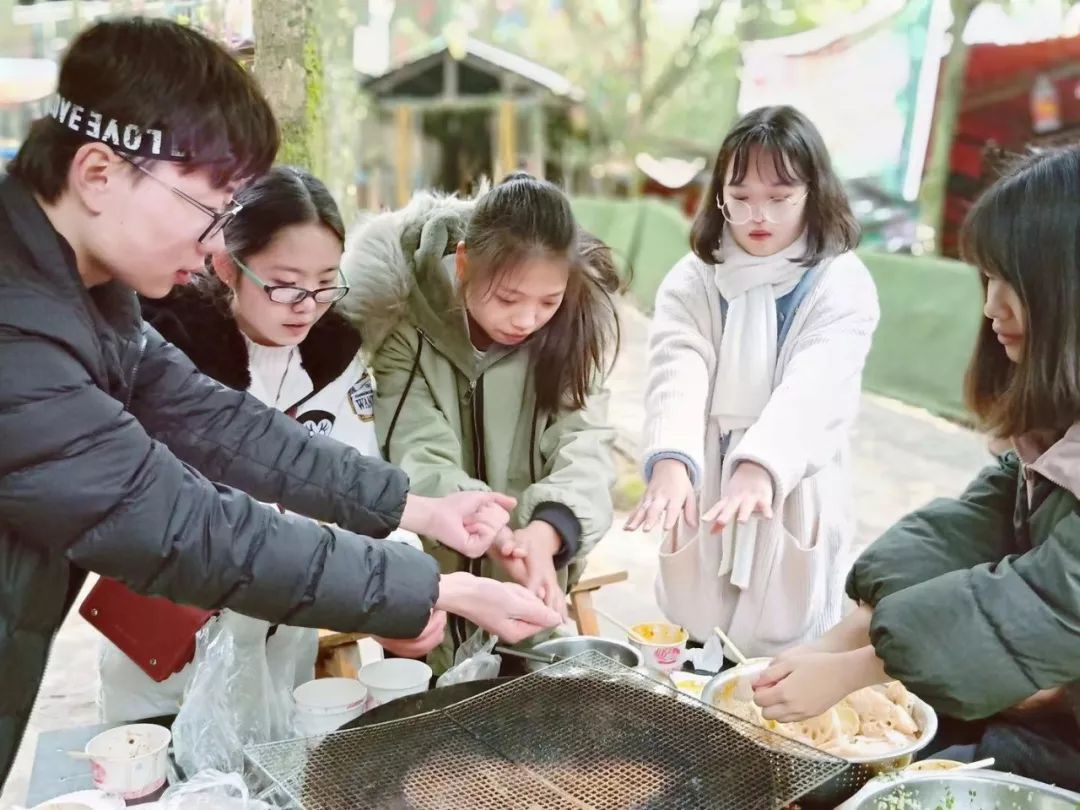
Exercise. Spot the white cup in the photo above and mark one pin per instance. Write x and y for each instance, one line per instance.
(662, 645)
(325, 704)
(394, 678)
(130, 761)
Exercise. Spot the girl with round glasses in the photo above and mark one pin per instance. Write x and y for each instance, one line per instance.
(755, 361)
(264, 322)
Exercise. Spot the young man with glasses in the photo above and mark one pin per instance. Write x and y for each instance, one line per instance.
(116, 455)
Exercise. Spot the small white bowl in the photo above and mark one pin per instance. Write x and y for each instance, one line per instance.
(393, 678)
(326, 704)
(130, 761)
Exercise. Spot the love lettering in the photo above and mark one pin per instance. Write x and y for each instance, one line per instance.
(128, 138)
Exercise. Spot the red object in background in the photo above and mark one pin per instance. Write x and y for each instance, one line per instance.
(996, 109)
(155, 633)
(688, 197)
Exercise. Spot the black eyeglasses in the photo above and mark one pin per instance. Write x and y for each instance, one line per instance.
(293, 295)
(218, 219)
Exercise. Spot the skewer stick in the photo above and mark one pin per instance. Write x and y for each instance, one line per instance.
(739, 657)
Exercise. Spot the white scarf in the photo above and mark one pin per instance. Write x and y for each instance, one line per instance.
(747, 364)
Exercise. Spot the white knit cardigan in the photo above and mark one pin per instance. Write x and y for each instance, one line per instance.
(796, 585)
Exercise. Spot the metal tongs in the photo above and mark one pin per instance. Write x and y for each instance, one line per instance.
(528, 655)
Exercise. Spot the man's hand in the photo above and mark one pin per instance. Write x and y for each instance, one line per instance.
(504, 609)
(467, 522)
(418, 647)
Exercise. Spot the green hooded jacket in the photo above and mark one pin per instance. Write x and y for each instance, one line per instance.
(456, 422)
(977, 599)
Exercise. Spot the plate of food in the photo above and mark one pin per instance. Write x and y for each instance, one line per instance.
(882, 726)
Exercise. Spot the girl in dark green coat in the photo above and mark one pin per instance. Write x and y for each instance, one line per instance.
(974, 603)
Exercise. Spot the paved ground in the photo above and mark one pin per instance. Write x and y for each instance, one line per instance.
(903, 457)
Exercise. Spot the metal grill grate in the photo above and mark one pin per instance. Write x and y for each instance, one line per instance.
(583, 734)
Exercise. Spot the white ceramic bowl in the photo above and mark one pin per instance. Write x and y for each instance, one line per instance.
(130, 761)
(393, 678)
(326, 704)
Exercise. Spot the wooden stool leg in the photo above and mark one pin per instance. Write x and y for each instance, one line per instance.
(584, 615)
(338, 662)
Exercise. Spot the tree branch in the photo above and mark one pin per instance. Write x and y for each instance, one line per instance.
(678, 67)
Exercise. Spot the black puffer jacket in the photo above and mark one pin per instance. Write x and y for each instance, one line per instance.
(110, 446)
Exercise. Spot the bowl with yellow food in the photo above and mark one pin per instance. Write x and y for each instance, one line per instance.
(662, 644)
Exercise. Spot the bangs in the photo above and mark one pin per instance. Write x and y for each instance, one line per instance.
(982, 241)
(768, 143)
(236, 139)
(232, 150)
(502, 270)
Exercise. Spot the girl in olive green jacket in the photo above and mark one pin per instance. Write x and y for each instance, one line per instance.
(974, 602)
(490, 322)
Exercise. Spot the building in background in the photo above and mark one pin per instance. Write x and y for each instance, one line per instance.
(461, 111)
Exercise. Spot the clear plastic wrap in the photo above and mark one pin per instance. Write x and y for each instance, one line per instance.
(210, 790)
(239, 695)
(473, 661)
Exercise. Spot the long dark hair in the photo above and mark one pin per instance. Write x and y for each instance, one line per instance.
(799, 155)
(524, 218)
(1025, 230)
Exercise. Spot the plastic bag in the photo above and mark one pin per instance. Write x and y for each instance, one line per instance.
(239, 695)
(473, 661)
(210, 790)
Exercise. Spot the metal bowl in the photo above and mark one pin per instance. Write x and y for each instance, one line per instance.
(573, 645)
(965, 790)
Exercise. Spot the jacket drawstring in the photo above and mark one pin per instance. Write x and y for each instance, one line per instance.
(404, 394)
(532, 442)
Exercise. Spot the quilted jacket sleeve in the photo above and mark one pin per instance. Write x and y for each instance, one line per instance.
(80, 476)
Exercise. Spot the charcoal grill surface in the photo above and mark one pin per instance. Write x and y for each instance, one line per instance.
(583, 734)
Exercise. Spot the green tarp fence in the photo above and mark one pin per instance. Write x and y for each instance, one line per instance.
(930, 307)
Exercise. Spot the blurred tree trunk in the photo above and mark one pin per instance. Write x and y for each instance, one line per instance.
(950, 92)
(288, 65)
(637, 62)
